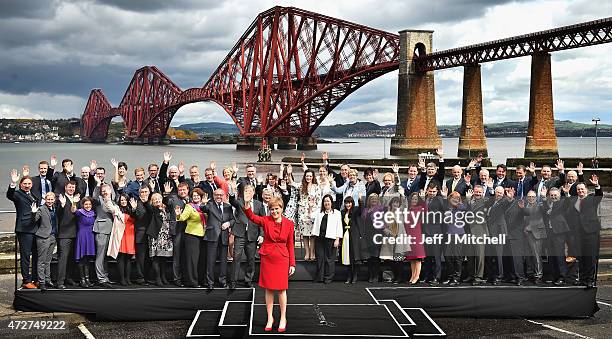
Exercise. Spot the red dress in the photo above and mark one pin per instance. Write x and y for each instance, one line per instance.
(417, 250)
(127, 241)
(276, 252)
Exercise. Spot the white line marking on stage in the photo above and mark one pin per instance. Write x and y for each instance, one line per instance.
(412, 323)
(195, 320)
(85, 331)
(223, 313)
(557, 329)
(371, 295)
(603, 303)
(398, 324)
(430, 320)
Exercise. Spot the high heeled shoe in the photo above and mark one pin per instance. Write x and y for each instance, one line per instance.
(269, 329)
(282, 329)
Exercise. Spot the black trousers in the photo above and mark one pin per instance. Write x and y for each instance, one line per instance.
(243, 246)
(326, 258)
(65, 259)
(517, 247)
(27, 249)
(432, 266)
(142, 261)
(556, 255)
(216, 249)
(177, 256)
(124, 265)
(494, 261)
(589, 250)
(194, 246)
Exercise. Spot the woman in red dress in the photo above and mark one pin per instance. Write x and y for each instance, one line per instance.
(413, 229)
(277, 260)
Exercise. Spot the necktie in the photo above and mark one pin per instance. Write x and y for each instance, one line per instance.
(214, 187)
(47, 189)
(520, 189)
(454, 185)
(220, 210)
(266, 209)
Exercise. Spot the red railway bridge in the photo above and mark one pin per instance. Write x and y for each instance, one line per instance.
(292, 67)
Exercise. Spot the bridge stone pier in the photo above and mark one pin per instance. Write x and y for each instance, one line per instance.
(541, 137)
(416, 130)
(306, 143)
(472, 140)
(286, 143)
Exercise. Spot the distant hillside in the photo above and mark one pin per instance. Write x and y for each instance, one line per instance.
(564, 128)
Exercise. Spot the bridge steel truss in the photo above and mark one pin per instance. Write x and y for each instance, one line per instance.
(292, 67)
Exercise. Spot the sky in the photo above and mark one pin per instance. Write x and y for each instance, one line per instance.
(54, 52)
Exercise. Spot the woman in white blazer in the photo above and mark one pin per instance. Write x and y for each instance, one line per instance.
(327, 229)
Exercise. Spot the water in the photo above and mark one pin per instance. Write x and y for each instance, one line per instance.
(16, 155)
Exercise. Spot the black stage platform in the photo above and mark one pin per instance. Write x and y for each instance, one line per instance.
(337, 309)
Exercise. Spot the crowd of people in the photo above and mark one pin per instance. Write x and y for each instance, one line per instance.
(160, 216)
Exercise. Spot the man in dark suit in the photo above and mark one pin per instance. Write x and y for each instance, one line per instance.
(523, 183)
(133, 187)
(247, 236)
(25, 226)
(515, 221)
(411, 184)
(583, 219)
(41, 184)
(432, 267)
(194, 178)
(496, 223)
(476, 259)
(547, 181)
(572, 178)
(140, 235)
(153, 173)
(433, 172)
(209, 186)
(170, 175)
(501, 179)
(457, 183)
(220, 220)
(249, 179)
(555, 219)
(177, 228)
(102, 228)
(339, 178)
(67, 231)
(61, 178)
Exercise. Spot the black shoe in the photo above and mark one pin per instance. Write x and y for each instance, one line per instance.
(50, 284)
(178, 283)
(232, 286)
(559, 282)
(327, 281)
(42, 287)
(496, 282)
(105, 285)
(477, 282)
(210, 287)
(446, 282)
(468, 280)
(577, 283)
(123, 283)
(223, 285)
(538, 281)
(435, 282)
(165, 281)
(70, 282)
(453, 283)
(590, 284)
(140, 281)
(61, 287)
(248, 284)
(520, 282)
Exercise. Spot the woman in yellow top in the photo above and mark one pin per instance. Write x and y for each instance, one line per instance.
(194, 234)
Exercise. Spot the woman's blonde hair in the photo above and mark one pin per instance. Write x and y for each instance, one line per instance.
(276, 201)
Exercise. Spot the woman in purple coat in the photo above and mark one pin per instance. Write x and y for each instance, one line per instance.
(85, 244)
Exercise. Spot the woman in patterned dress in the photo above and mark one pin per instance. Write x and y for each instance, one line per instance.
(160, 242)
(309, 191)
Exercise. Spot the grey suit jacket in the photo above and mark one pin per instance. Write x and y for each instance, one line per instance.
(44, 216)
(214, 220)
(534, 220)
(104, 218)
(243, 227)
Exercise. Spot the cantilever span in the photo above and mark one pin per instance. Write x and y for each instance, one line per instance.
(292, 67)
(286, 73)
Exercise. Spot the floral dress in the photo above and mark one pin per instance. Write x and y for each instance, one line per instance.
(162, 246)
(291, 208)
(304, 217)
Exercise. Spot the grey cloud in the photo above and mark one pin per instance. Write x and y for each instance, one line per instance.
(159, 5)
(28, 8)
